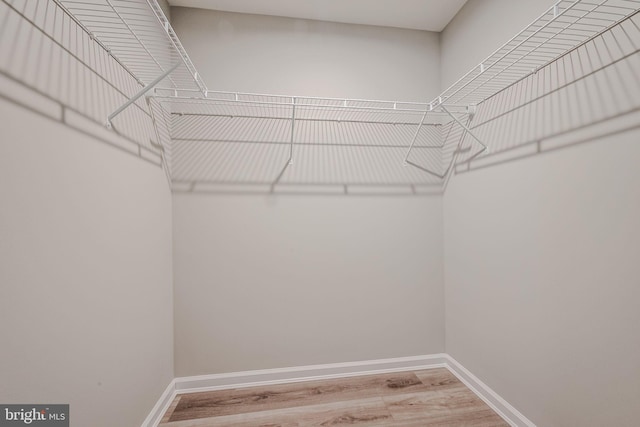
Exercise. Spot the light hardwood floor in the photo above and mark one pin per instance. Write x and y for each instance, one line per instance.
(431, 397)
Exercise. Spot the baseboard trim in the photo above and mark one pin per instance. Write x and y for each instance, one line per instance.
(264, 377)
(161, 406)
(306, 373)
(503, 408)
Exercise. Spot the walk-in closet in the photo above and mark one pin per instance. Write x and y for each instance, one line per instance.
(298, 213)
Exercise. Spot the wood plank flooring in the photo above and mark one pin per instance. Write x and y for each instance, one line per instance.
(431, 397)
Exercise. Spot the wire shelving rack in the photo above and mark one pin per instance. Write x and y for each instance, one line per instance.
(433, 137)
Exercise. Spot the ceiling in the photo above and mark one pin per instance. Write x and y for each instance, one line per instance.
(430, 15)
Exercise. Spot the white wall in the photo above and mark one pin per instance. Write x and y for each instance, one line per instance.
(274, 281)
(85, 271)
(541, 260)
(264, 54)
(282, 281)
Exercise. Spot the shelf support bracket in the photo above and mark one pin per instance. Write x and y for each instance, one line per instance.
(135, 97)
(415, 136)
(293, 124)
(466, 129)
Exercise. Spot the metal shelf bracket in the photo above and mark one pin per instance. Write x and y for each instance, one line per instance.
(466, 129)
(293, 124)
(135, 97)
(415, 136)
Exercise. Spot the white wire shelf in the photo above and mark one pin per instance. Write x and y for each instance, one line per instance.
(576, 48)
(137, 33)
(262, 106)
(564, 26)
(591, 91)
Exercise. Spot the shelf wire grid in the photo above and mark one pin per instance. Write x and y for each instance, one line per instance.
(140, 36)
(593, 88)
(565, 25)
(248, 141)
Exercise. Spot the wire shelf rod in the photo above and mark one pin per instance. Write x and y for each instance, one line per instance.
(364, 122)
(288, 98)
(189, 101)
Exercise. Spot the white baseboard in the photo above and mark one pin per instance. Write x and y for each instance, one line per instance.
(490, 397)
(201, 383)
(306, 373)
(161, 406)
